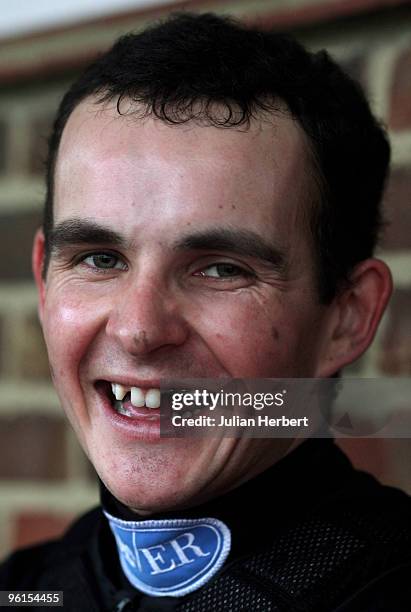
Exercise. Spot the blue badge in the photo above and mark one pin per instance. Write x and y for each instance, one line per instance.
(170, 557)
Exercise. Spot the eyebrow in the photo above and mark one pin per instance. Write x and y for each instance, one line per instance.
(83, 231)
(240, 242)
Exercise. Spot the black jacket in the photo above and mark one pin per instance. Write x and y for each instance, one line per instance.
(311, 534)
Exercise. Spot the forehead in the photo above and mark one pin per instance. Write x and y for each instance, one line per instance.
(259, 172)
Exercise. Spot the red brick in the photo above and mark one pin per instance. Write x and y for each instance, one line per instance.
(400, 104)
(397, 206)
(399, 459)
(32, 528)
(29, 351)
(395, 358)
(3, 145)
(32, 447)
(16, 239)
(2, 355)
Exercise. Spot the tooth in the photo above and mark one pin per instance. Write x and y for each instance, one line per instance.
(119, 391)
(153, 398)
(137, 397)
(120, 408)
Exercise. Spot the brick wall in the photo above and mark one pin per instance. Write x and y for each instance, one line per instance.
(44, 477)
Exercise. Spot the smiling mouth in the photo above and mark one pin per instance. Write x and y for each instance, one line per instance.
(139, 402)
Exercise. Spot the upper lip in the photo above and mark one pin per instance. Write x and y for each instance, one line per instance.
(132, 382)
(173, 382)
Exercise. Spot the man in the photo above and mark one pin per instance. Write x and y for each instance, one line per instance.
(213, 204)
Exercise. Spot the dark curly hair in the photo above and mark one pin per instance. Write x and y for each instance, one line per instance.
(180, 69)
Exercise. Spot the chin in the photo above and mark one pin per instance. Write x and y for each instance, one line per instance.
(147, 501)
(146, 493)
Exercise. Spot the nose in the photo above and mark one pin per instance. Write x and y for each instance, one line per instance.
(145, 318)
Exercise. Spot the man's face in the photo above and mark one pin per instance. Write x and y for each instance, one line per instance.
(204, 270)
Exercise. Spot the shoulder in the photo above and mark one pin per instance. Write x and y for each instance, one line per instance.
(349, 552)
(35, 566)
(361, 545)
(389, 591)
(375, 512)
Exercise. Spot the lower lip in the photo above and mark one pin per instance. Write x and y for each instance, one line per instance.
(143, 425)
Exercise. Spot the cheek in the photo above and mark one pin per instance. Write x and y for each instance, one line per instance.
(69, 326)
(248, 338)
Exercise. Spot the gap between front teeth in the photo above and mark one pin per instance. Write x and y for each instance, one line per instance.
(139, 398)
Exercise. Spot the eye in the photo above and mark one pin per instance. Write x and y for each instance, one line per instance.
(104, 261)
(224, 270)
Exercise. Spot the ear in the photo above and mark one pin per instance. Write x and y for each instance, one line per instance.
(354, 316)
(37, 261)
